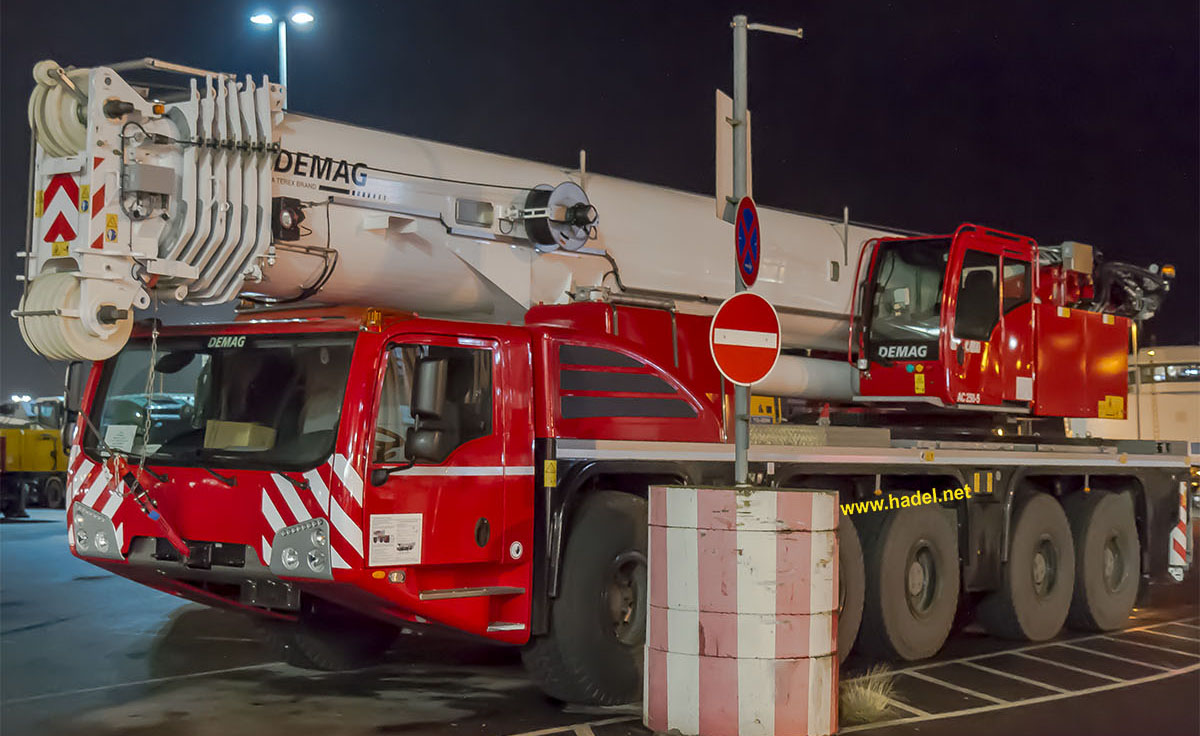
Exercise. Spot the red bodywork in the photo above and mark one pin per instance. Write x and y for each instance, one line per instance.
(490, 478)
(1041, 356)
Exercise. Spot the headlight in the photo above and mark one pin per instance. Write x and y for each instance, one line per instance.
(316, 560)
(290, 558)
(302, 551)
(81, 539)
(101, 542)
(95, 535)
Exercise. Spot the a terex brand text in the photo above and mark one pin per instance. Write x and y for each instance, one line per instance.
(320, 167)
(900, 352)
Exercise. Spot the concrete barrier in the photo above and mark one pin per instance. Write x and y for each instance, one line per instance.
(742, 637)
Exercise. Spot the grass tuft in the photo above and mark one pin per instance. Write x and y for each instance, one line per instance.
(865, 699)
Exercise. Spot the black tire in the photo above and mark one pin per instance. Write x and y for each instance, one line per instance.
(330, 639)
(1039, 578)
(852, 583)
(912, 575)
(1107, 560)
(593, 651)
(53, 493)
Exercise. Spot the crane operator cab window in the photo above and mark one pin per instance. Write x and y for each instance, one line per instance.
(433, 399)
(906, 303)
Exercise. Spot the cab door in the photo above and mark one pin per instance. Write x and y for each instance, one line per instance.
(989, 333)
(454, 457)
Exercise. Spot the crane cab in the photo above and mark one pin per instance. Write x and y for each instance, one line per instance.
(977, 319)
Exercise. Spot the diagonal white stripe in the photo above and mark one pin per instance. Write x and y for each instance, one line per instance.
(288, 491)
(336, 560)
(266, 547)
(318, 488)
(745, 338)
(346, 527)
(114, 503)
(271, 513)
(97, 487)
(120, 534)
(349, 476)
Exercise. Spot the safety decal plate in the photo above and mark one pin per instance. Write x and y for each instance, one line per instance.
(395, 539)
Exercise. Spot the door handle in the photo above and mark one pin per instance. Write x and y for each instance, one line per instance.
(961, 354)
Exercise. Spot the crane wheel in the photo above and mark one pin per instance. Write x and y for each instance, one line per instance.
(593, 652)
(330, 638)
(851, 586)
(1107, 560)
(1039, 578)
(53, 495)
(912, 576)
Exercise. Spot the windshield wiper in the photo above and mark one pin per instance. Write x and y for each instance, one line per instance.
(227, 480)
(301, 484)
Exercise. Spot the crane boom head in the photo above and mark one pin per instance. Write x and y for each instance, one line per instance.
(140, 194)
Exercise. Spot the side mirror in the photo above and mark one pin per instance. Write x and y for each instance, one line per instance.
(74, 385)
(429, 388)
(425, 444)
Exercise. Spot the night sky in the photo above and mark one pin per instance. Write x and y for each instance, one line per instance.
(1060, 120)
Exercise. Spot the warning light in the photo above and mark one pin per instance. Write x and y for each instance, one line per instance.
(159, 108)
(1169, 271)
(372, 320)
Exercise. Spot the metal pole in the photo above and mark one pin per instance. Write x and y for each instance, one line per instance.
(741, 394)
(1137, 379)
(283, 58)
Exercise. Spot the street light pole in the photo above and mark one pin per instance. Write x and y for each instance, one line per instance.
(741, 394)
(283, 57)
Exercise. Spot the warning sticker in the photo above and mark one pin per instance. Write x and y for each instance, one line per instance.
(919, 383)
(395, 539)
(110, 227)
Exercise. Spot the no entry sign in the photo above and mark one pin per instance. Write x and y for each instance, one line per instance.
(747, 241)
(744, 338)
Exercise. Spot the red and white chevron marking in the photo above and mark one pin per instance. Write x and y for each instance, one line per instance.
(98, 202)
(92, 485)
(284, 505)
(743, 625)
(1177, 555)
(60, 209)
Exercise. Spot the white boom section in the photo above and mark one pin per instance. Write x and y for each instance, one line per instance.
(224, 194)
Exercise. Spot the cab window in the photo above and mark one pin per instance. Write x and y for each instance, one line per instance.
(433, 400)
(978, 304)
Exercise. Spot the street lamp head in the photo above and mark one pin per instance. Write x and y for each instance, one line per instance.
(262, 19)
(302, 17)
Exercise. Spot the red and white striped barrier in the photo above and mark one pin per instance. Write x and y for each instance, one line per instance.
(742, 637)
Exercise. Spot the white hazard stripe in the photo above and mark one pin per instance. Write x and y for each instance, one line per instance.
(319, 490)
(745, 338)
(266, 547)
(85, 468)
(114, 503)
(349, 476)
(288, 491)
(345, 526)
(337, 561)
(271, 513)
(97, 487)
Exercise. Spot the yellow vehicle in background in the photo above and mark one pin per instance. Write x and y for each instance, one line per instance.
(33, 460)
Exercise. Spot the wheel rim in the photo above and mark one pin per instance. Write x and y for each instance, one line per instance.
(921, 578)
(1114, 562)
(1043, 569)
(625, 598)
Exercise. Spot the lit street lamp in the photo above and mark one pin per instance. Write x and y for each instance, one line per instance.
(300, 18)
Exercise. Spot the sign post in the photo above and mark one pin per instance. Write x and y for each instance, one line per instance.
(741, 394)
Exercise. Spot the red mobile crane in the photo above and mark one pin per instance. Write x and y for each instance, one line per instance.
(482, 465)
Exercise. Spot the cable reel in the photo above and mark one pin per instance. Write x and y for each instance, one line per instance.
(559, 217)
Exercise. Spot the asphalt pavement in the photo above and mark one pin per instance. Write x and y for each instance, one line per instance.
(85, 652)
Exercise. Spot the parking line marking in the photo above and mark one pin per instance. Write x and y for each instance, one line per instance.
(910, 708)
(133, 683)
(1173, 636)
(1114, 656)
(1019, 703)
(952, 686)
(1056, 663)
(575, 728)
(1151, 646)
(1019, 678)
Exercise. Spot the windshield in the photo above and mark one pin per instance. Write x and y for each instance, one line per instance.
(907, 299)
(269, 401)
